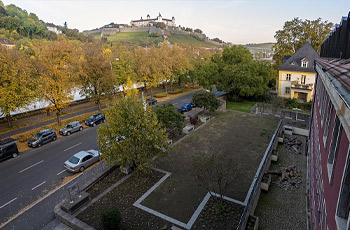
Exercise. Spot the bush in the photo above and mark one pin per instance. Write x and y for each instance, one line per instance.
(111, 219)
(193, 120)
(159, 95)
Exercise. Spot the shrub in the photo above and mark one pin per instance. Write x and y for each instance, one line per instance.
(159, 95)
(111, 219)
(193, 120)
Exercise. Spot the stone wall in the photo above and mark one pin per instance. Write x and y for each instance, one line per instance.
(87, 32)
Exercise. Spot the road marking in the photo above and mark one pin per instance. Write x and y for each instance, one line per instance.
(175, 103)
(184, 100)
(61, 172)
(31, 166)
(8, 202)
(72, 147)
(38, 185)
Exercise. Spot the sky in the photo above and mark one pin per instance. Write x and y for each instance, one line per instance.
(236, 21)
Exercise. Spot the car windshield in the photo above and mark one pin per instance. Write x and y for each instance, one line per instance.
(74, 160)
(92, 117)
(38, 135)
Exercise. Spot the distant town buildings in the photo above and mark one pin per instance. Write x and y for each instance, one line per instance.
(151, 21)
(296, 76)
(329, 149)
(52, 27)
(7, 43)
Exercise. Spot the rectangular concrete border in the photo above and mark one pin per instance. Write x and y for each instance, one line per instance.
(172, 220)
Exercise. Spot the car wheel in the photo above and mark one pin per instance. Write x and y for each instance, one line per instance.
(54, 138)
(68, 133)
(14, 155)
(81, 128)
(94, 124)
(38, 145)
(82, 169)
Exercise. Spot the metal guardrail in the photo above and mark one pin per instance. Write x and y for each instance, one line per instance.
(255, 186)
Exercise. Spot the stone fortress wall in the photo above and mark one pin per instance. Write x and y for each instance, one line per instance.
(152, 29)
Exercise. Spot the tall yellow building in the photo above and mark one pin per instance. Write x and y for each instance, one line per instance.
(296, 76)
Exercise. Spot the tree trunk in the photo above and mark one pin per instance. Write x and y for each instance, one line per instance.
(151, 93)
(98, 102)
(9, 121)
(58, 114)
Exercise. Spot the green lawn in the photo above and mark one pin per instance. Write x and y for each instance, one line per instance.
(243, 106)
(140, 38)
(188, 39)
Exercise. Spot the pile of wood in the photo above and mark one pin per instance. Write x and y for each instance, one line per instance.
(292, 145)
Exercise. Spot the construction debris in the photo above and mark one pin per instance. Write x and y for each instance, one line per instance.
(292, 145)
(289, 179)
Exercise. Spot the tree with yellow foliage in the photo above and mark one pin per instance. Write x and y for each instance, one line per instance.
(132, 136)
(96, 75)
(16, 84)
(58, 67)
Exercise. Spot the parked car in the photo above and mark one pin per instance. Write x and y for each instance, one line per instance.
(192, 104)
(71, 127)
(186, 107)
(151, 101)
(81, 160)
(42, 137)
(179, 110)
(95, 119)
(8, 148)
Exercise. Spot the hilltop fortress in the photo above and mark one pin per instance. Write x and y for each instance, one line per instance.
(151, 21)
(150, 25)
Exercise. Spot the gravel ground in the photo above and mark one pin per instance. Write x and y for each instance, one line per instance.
(284, 209)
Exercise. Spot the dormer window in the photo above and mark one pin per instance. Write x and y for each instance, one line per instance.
(304, 63)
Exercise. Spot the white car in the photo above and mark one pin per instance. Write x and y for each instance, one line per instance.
(81, 160)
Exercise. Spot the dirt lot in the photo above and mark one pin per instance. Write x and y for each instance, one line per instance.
(242, 137)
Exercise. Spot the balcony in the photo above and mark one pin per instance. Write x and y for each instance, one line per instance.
(297, 85)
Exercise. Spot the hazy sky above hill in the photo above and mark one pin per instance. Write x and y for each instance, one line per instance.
(237, 21)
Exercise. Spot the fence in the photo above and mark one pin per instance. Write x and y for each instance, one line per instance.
(253, 193)
(280, 113)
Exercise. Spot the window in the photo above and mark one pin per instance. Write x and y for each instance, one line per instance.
(343, 206)
(333, 149)
(304, 63)
(303, 79)
(287, 90)
(328, 120)
(288, 77)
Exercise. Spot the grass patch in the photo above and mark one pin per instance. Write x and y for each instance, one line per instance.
(243, 106)
(159, 95)
(188, 39)
(140, 38)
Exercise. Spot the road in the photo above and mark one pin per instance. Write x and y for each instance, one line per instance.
(37, 172)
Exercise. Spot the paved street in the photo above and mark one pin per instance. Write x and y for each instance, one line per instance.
(38, 172)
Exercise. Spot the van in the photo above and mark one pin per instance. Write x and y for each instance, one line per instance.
(8, 148)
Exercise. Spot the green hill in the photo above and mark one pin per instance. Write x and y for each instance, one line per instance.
(135, 38)
(188, 39)
(260, 47)
(145, 39)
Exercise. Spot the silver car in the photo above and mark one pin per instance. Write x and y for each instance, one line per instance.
(81, 160)
(71, 128)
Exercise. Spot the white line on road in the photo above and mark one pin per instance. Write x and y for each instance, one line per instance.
(8, 202)
(38, 185)
(31, 166)
(61, 172)
(72, 147)
(184, 100)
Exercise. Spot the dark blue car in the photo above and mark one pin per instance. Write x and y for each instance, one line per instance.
(186, 107)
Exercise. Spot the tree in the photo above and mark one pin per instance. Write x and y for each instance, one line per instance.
(198, 31)
(96, 75)
(169, 117)
(132, 134)
(235, 72)
(16, 84)
(58, 67)
(214, 173)
(207, 100)
(295, 33)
